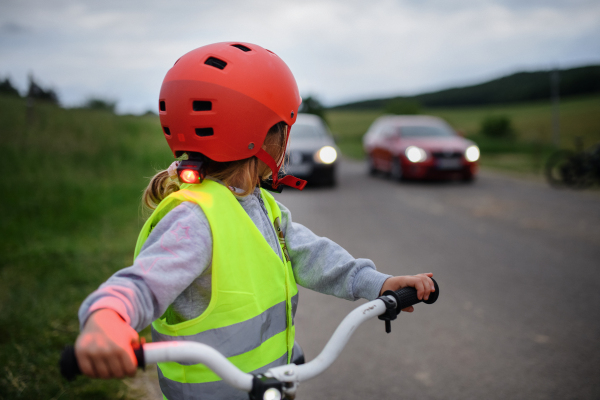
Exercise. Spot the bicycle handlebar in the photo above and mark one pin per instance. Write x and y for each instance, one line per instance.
(407, 296)
(386, 307)
(70, 369)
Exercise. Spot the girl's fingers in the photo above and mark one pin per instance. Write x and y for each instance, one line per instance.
(127, 363)
(85, 365)
(408, 309)
(423, 286)
(429, 286)
(100, 368)
(115, 369)
(426, 287)
(420, 288)
(428, 276)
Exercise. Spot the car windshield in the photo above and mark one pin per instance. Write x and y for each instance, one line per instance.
(425, 131)
(303, 132)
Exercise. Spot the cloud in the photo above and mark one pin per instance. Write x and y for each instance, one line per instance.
(11, 28)
(338, 50)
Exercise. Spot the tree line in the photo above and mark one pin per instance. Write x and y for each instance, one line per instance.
(518, 87)
(35, 91)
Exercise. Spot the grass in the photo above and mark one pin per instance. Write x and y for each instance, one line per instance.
(72, 181)
(579, 117)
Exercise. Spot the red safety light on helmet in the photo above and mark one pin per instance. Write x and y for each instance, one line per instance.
(190, 171)
(189, 176)
(221, 100)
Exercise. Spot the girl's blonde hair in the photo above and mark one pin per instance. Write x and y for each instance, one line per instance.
(241, 174)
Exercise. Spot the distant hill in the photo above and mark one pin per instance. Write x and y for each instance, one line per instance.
(519, 87)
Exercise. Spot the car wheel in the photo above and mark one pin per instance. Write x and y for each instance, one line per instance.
(371, 166)
(329, 178)
(468, 177)
(325, 178)
(396, 171)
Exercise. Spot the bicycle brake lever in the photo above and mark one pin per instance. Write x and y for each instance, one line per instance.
(390, 313)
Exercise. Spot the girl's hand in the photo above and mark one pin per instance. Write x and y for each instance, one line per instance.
(103, 348)
(421, 282)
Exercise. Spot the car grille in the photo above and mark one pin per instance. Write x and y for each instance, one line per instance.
(448, 161)
(298, 157)
(442, 154)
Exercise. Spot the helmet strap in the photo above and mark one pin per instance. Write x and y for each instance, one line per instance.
(286, 180)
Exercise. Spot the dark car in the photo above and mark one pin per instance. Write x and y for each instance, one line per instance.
(312, 154)
(419, 147)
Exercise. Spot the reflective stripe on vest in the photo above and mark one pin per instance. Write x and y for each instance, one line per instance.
(218, 390)
(254, 296)
(257, 330)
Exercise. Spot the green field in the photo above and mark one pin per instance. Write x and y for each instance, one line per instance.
(532, 123)
(72, 183)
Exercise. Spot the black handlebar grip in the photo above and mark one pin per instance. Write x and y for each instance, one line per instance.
(407, 296)
(70, 369)
(68, 363)
(138, 351)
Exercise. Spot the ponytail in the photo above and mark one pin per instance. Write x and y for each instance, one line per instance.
(160, 186)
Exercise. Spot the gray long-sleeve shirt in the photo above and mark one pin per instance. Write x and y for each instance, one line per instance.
(174, 267)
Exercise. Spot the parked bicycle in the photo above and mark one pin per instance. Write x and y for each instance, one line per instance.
(279, 382)
(574, 169)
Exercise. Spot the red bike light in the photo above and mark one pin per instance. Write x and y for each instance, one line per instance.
(189, 176)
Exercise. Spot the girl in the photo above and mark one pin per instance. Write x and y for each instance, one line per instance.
(219, 259)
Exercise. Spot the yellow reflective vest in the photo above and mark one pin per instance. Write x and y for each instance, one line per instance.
(254, 295)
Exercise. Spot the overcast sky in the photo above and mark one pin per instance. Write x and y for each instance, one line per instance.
(339, 50)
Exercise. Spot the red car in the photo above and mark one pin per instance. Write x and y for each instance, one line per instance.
(419, 147)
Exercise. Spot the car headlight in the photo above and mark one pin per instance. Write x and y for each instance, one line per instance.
(415, 154)
(472, 153)
(326, 155)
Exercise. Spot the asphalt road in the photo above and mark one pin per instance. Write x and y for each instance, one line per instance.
(518, 265)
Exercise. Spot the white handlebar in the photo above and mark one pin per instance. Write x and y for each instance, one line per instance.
(185, 352)
(339, 339)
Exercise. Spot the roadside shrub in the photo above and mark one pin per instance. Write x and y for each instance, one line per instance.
(497, 126)
(35, 91)
(7, 88)
(100, 104)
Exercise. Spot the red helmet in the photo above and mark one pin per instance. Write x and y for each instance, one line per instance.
(221, 100)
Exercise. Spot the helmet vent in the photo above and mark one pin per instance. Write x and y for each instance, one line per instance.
(242, 47)
(167, 131)
(215, 62)
(202, 105)
(162, 106)
(203, 132)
